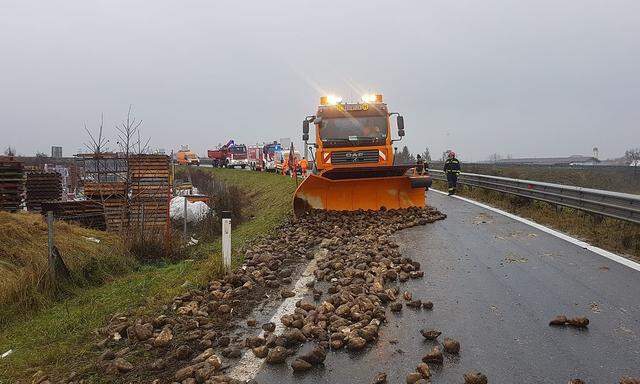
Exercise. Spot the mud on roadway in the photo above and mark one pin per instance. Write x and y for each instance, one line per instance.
(353, 277)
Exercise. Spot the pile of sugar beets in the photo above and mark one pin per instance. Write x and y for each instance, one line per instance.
(196, 338)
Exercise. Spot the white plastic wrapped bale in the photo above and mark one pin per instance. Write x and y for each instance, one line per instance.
(195, 211)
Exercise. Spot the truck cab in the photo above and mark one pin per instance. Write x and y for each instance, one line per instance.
(269, 152)
(237, 156)
(352, 135)
(255, 157)
(354, 164)
(187, 157)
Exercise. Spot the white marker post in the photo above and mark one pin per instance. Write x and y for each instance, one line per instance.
(184, 230)
(226, 240)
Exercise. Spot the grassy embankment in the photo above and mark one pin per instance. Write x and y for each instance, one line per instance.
(57, 337)
(92, 257)
(611, 234)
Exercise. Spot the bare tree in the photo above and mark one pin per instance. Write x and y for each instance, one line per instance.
(129, 134)
(97, 145)
(10, 151)
(426, 154)
(405, 157)
(632, 157)
(494, 157)
(131, 142)
(128, 141)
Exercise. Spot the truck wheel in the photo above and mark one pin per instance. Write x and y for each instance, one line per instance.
(243, 166)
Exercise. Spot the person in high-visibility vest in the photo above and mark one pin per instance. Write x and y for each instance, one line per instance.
(285, 166)
(452, 170)
(304, 164)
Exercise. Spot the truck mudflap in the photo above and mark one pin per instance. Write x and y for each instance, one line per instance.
(350, 194)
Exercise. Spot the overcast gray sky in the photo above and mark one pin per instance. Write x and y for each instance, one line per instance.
(527, 78)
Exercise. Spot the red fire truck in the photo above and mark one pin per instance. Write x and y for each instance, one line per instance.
(255, 157)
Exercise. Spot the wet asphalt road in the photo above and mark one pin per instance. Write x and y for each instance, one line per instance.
(495, 284)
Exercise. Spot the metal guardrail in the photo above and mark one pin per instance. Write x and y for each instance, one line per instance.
(623, 206)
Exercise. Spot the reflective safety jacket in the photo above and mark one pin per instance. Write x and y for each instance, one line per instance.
(452, 165)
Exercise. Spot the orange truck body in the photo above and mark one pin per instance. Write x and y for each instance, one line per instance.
(354, 166)
(187, 157)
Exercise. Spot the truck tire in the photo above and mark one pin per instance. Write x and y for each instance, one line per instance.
(243, 166)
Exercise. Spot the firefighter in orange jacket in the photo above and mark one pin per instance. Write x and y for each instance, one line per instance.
(285, 166)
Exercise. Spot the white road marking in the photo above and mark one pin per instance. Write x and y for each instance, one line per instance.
(249, 365)
(580, 243)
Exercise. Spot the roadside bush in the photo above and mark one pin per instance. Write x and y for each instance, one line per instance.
(222, 197)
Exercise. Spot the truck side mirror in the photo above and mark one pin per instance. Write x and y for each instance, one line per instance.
(305, 130)
(400, 123)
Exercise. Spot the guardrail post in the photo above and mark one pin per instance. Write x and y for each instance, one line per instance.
(226, 240)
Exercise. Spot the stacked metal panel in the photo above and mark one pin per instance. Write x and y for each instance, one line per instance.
(41, 187)
(112, 197)
(87, 213)
(150, 192)
(11, 183)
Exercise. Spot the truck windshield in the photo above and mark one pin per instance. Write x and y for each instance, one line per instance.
(341, 130)
(238, 149)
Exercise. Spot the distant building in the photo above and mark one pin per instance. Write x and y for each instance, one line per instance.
(56, 152)
(571, 160)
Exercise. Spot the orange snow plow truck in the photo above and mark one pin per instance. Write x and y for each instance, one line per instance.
(353, 160)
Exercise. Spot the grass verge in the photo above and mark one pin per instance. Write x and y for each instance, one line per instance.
(92, 257)
(611, 234)
(57, 339)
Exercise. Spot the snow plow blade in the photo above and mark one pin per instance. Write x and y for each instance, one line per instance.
(361, 188)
